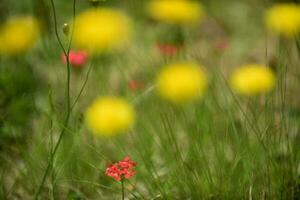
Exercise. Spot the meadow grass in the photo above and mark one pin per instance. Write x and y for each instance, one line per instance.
(224, 146)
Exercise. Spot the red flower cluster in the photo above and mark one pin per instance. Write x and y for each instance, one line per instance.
(122, 169)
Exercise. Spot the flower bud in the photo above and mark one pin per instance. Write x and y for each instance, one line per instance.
(66, 29)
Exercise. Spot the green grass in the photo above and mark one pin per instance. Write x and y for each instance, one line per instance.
(221, 147)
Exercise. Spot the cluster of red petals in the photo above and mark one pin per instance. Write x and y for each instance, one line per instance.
(169, 49)
(77, 58)
(122, 169)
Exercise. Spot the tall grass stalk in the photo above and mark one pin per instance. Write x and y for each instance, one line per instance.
(66, 52)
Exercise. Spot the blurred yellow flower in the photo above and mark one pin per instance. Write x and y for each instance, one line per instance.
(18, 35)
(284, 19)
(176, 11)
(108, 116)
(252, 80)
(98, 30)
(181, 82)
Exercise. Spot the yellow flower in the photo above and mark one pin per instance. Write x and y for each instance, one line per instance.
(109, 116)
(175, 11)
(252, 80)
(181, 82)
(284, 19)
(18, 35)
(101, 29)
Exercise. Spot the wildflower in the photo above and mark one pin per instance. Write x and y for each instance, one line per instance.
(135, 85)
(77, 58)
(252, 80)
(18, 35)
(122, 169)
(284, 19)
(181, 82)
(221, 45)
(176, 12)
(114, 172)
(169, 49)
(101, 29)
(108, 116)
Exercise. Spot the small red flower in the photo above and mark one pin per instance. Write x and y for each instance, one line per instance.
(135, 85)
(122, 169)
(222, 45)
(114, 172)
(169, 49)
(77, 58)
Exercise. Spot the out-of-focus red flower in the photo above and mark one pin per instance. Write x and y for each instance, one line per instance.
(134, 85)
(222, 45)
(169, 49)
(122, 169)
(77, 58)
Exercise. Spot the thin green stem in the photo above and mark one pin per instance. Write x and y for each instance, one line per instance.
(56, 29)
(298, 45)
(82, 87)
(123, 190)
(68, 112)
(51, 142)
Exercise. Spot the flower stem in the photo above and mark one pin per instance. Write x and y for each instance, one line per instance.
(68, 98)
(123, 189)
